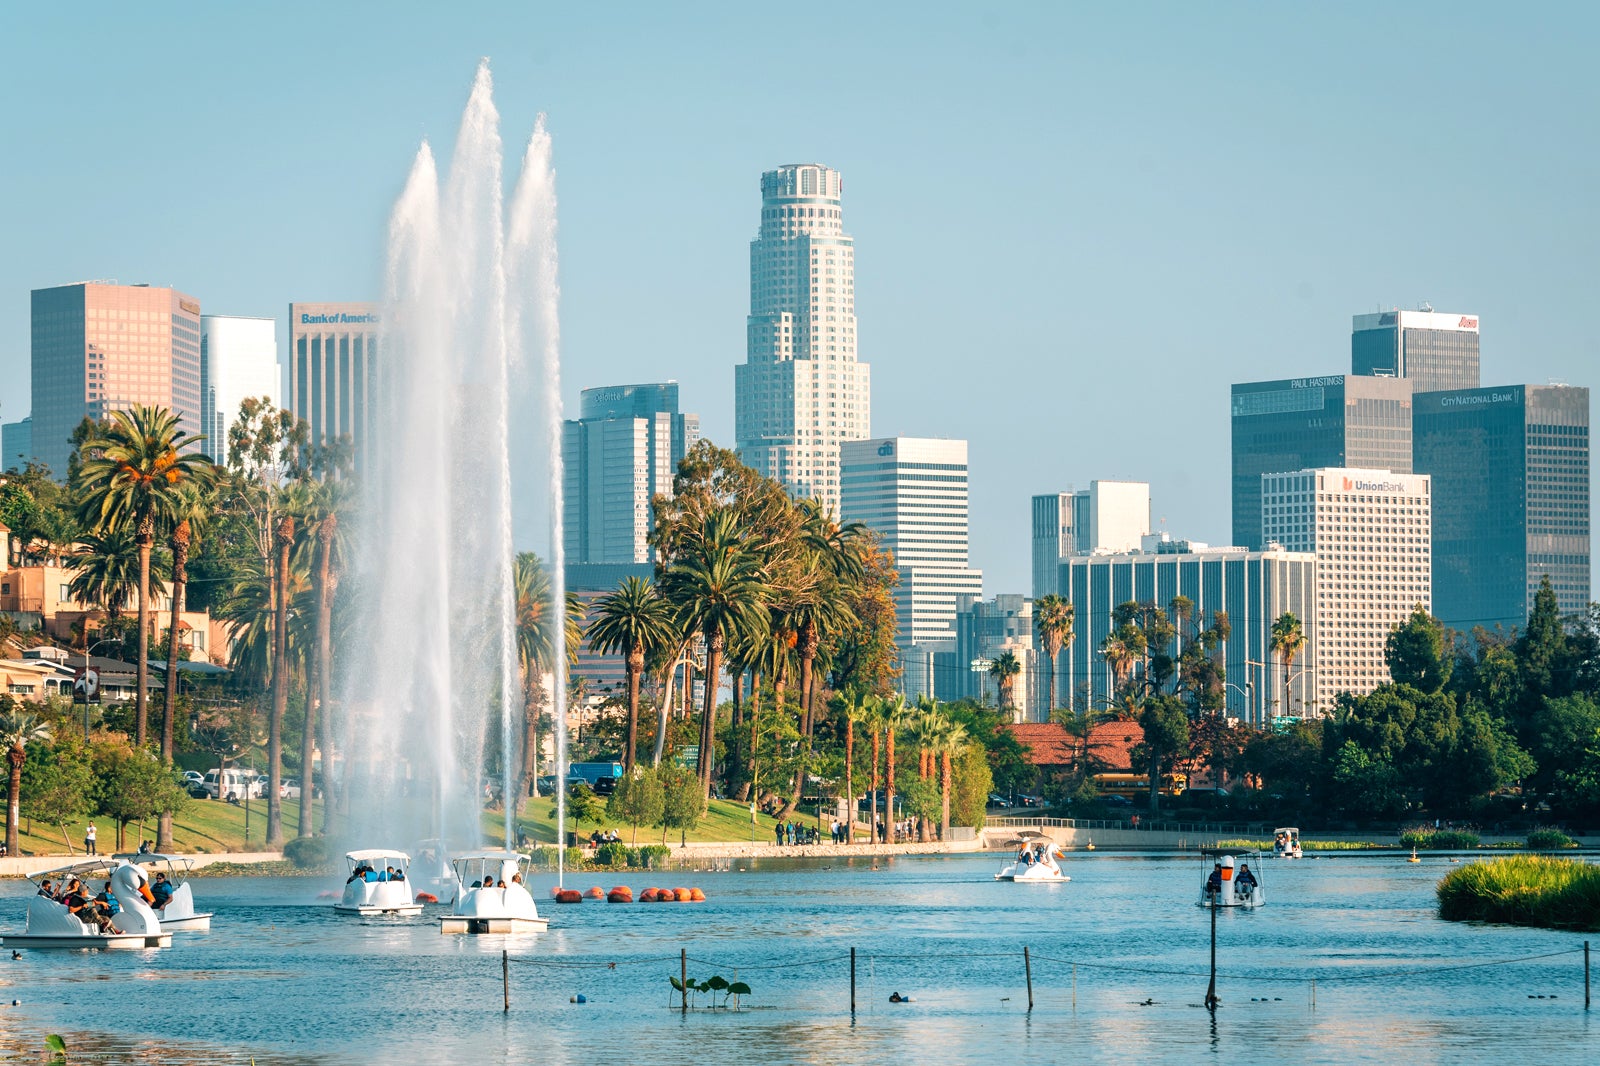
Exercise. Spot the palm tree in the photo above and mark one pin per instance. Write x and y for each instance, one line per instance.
(316, 506)
(1288, 638)
(952, 737)
(139, 471)
(922, 729)
(1053, 617)
(190, 506)
(635, 621)
(18, 729)
(716, 587)
(283, 538)
(854, 707)
(895, 715)
(1119, 656)
(1004, 669)
(536, 644)
(105, 569)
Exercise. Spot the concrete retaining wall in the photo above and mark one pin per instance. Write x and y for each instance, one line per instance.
(27, 864)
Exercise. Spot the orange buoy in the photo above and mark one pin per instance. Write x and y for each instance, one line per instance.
(620, 894)
(569, 895)
(596, 892)
(697, 896)
(682, 895)
(427, 897)
(647, 896)
(664, 895)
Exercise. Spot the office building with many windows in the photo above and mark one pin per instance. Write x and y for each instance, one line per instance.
(1252, 588)
(1510, 469)
(16, 444)
(1433, 351)
(334, 372)
(238, 360)
(622, 450)
(801, 392)
(986, 630)
(100, 347)
(1339, 420)
(1108, 516)
(1370, 531)
(912, 491)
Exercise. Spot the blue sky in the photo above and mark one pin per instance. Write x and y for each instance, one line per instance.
(1075, 225)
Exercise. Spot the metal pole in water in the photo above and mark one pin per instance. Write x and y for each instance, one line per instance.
(852, 982)
(1074, 986)
(1027, 969)
(1211, 989)
(683, 975)
(505, 977)
(1585, 975)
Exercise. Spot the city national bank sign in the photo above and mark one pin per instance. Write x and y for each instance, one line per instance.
(341, 319)
(1481, 399)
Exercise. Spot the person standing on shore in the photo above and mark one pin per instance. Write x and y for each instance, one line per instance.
(89, 847)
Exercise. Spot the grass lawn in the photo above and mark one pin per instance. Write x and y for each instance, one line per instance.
(202, 826)
(724, 820)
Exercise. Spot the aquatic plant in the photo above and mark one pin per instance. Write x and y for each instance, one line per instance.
(308, 852)
(1524, 890)
(712, 986)
(1547, 839)
(1427, 837)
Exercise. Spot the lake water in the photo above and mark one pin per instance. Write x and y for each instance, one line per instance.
(281, 979)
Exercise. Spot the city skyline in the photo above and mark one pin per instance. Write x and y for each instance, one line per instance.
(1114, 209)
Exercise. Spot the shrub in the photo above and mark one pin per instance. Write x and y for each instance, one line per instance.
(653, 856)
(308, 853)
(1428, 837)
(575, 859)
(612, 854)
(1524, 890)
(1547, 839)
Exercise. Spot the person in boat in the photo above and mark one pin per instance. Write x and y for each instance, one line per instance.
(358, 873)
(1246, 881)
(47, 889)
(108, 901)
(79, 907)
(161, 890)
(1214, 881)
(396, 874)
(516, 879)
(144, 847)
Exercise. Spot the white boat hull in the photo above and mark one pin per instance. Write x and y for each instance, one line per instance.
(1031, 875)
(372, 911)
(86, 941)
(455, 924)
(194, 923)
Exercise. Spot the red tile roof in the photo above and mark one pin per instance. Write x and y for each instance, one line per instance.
(1049, 744)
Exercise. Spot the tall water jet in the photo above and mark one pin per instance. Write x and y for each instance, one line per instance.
(431, 669)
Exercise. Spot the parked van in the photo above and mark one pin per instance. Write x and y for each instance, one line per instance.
(221, 784)
(593, 773)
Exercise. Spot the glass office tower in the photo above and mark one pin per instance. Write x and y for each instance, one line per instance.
(1510, 470)
(1434, 351)
(1295, 424)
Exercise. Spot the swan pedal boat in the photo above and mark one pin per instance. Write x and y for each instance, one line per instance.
(1230, 893)
(489, 909)
(377, 895)
(51, 925)
(1035, 862)
(1286, 843)
(179, 915)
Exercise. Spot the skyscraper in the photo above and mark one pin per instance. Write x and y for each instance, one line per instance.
(1300, 423)
(99, 347)
(16, 444)
(913, 492)
(623, 449)
(1108, 516)
(1510, 469)
(333, 372)
(1370, 532)
(800, 391)
(1434, 351)
(238, 359)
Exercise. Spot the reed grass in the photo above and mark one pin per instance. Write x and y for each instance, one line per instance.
(1305, 845)
(1524, 890)
(1546, 839)
(1426, 837)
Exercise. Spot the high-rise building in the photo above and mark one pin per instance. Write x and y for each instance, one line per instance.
(238, 360)
(16, 444)
(986, 630)
(801, 392)
(913, 492)
(1302, 423)
(622, 450)
(100, 347)
(1108, 516)
(1370, 531)
(1433, 351)
(1252, 588)
(333, 372)
(1510, 468)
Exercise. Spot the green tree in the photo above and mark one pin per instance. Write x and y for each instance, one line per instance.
(1560, 732)
(970, 786)
(132, 785)
(638, 800)
(58, 781)
(105, 569)
(536, 635)
(1004, 668)
(1367, 785)
(583, 805)
(1053, 617)
(683, 800)
(18, 729)
(1416, 653)
(1166, 734)
(139, 477)
(637, 623)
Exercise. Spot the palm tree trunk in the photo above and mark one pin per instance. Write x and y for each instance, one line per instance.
(16, 756)
(532, 710)
(748, 785)
(944, 789)
(709, 712)
(666, 709)
(872, 816)
(736, 729)
(143, 537)
(280, 685)
(849, 776)
(169, 702)
(635, 667)
(317, 692)
(328, 588)
(888, 781)
(1050, 701)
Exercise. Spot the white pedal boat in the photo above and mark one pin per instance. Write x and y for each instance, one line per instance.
(1035, 862)
(1222, 886)
(370, 889)
(179, 915)
(1286, 842)
(51, 925)
(482, 905)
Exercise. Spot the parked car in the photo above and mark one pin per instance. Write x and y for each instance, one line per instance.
(997, 800)
(193, 777)
(1029, 801)
(289, 788)
(197, 791)
(239, 784)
